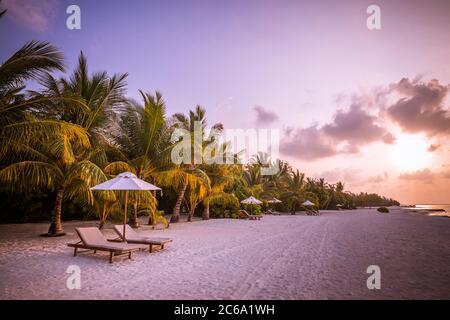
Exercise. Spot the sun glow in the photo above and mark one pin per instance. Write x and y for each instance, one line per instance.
(410, 152)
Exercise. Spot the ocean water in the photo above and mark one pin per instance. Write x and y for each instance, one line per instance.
(446, 207)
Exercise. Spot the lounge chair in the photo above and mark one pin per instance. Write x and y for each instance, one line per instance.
(134, 237)
(93, 239)
(245, 215)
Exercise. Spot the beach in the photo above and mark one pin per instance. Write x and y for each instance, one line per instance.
(279, 257)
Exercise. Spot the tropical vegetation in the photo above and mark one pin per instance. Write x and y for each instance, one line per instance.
(79, 130)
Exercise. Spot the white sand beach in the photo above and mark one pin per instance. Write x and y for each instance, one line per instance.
(279, 257)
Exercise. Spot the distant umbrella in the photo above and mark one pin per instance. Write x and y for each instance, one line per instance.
(125, 181)
(251, 200)
(308, 203)
(274, 200)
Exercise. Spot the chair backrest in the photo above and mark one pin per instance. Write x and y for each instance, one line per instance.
(129, 232)
(245, 213)
(91, 236)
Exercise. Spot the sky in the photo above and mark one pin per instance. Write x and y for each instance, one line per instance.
(368, 107)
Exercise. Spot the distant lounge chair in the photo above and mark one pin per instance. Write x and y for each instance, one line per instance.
(134, 237)
(93, 239)
(245, 215)
(312, 212)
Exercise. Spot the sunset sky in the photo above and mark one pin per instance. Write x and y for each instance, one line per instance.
(368, 107)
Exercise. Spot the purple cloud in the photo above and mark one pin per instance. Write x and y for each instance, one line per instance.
(348, 131)
(32, 14)
(307, 143)
(357, 127)
(264, 116)
(421, 108)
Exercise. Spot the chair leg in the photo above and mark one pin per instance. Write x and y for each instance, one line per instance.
(75, 251)
(150, 248)
(129, 255)
(162, 246)
(111, 254)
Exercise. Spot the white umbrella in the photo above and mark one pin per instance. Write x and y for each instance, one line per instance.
(308, 203)
(251, 200)
(125, 181)
(274, 200)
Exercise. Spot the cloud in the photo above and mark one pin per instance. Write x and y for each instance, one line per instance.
(424, 175)
(421, 107)
(32, 14)
(357, 127)
(307, 143)
(349, 175)
(378, 178)
(433, 147)
(348, 131)
(445, 174)
(264, 116)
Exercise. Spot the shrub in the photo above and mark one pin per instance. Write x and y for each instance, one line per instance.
(383, 210)
(252, 208)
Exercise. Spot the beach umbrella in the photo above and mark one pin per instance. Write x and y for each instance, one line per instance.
(274, 200)
(308, 203)
(251, 200)
(125, 181)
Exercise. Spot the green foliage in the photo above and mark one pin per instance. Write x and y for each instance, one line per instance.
(77, 131)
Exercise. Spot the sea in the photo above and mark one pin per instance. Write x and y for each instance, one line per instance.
(432, 207)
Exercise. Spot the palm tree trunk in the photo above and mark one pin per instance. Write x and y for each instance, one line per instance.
(176, 210)
(205, 215)
(133, 222)
(191, 212)
(56, 228)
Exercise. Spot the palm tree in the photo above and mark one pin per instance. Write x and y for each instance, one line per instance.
(296, 193)
(60, 166)
(189, 175)
(142, 140)
(89, 101)
(220, 176)
(18, 122)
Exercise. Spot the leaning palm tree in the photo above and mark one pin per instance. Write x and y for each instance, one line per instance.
(60, 166)
(33, 61)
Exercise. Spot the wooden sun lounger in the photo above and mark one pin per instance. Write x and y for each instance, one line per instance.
(134, 237)
(245, 215)
(92, 239)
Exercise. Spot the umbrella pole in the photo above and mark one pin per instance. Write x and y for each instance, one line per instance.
(125, 214)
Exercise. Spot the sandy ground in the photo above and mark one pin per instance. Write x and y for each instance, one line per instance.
(279, 257)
